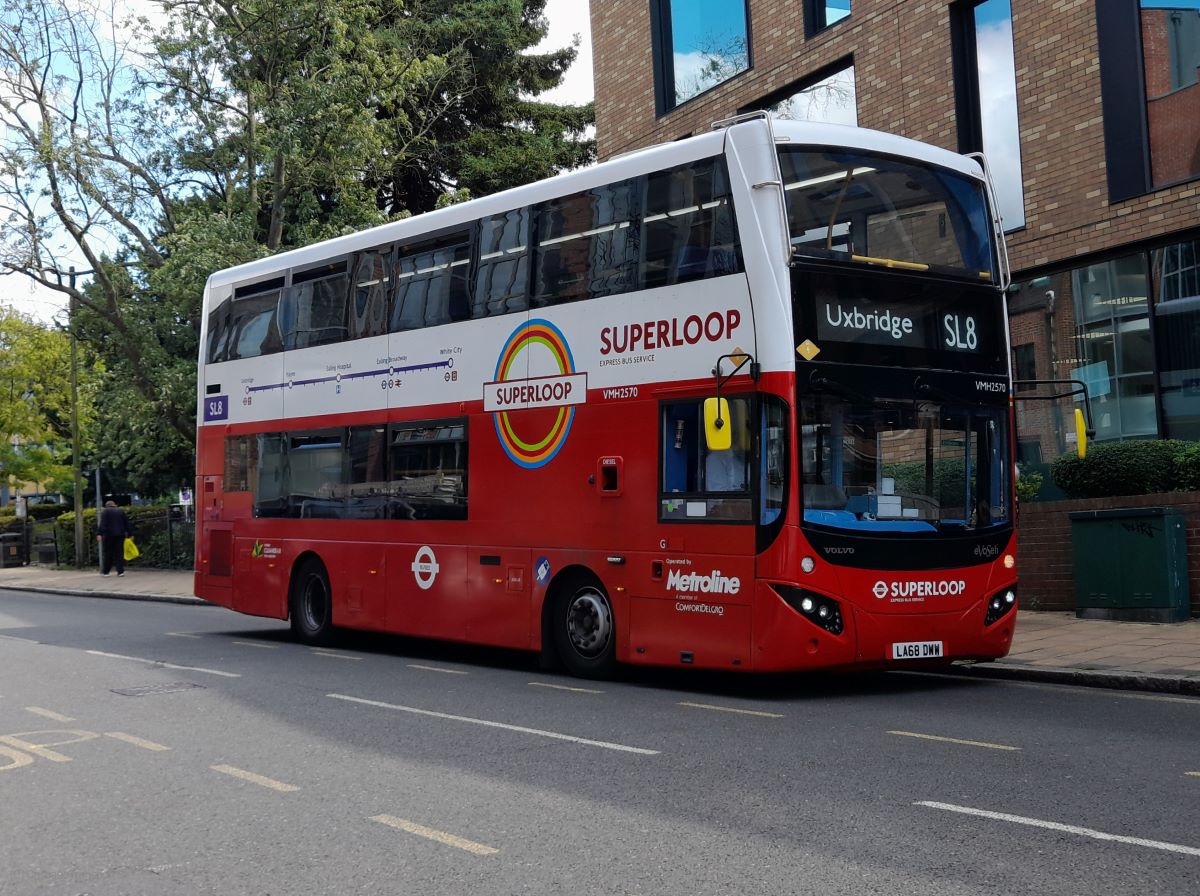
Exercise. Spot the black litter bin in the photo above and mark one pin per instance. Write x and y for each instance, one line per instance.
(1131, 564)
(12, 550)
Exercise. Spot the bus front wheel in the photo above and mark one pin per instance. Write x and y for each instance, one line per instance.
(311, 603)
(584, 629)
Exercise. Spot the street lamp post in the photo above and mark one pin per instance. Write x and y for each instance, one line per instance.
(79, 553)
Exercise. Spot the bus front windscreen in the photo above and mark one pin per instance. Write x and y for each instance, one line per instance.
(903, 467)
(848, 206)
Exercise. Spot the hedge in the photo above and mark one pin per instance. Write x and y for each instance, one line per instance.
(158, 551)
(1130, 468)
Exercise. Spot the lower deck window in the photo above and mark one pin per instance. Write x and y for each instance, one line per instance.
(403, 471)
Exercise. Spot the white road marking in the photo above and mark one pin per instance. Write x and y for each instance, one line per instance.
(183, 635)
(1193, 774)
(260, 780)
(955, 740)
(1064, 828)
(430, 834)
(48, 714)
(257, 644)
(136, 741)
(335, 656)
(744, 712)
(437, 669)
(489, 724)
(138, 659)
(563, 687)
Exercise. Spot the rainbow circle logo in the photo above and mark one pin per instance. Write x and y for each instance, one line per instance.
(534, 393)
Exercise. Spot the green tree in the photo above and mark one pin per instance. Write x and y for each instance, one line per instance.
(490, 132)
(249, 128)
(316, 118)
(35, 400)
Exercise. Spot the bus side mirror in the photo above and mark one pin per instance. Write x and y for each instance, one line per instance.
(1081, 434)
(718, 434)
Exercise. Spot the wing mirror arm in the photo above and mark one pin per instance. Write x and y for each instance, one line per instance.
(716, 409)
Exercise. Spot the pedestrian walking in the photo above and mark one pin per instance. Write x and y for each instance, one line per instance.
(112, 527)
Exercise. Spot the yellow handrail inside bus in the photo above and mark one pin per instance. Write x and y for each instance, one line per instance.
(891, 263)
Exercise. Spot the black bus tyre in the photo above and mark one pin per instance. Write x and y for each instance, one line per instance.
(311, 603)
(585, 632)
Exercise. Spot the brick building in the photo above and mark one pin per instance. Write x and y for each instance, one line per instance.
(1088, 112)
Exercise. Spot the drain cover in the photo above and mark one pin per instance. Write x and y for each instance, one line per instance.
(147, 690)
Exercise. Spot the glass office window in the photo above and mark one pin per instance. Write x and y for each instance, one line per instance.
(1115, 352)
(701, 43)
(823, 13)
(997, 80)
(1171, 58)
(1175, 271)
(832, 99)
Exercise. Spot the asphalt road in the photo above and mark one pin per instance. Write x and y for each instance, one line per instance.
(153, 748)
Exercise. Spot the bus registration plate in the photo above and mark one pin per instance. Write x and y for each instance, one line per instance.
(917, 650)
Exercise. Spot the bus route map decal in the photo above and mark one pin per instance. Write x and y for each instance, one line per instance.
(534, 394)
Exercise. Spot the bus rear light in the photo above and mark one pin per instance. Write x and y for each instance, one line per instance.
(816, 608)
(1009, 561)
(999, 604)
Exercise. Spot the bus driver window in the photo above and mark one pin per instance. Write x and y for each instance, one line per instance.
(699, 483)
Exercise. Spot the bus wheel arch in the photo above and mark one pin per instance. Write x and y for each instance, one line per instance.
(310, 600)
(579, 625)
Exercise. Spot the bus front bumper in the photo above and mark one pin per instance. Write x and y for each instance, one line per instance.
(787, 641)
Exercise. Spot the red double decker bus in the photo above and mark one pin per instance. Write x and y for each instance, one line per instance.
(737, 402)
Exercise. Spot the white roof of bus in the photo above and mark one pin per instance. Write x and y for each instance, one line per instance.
(811, 133)
(653, 158)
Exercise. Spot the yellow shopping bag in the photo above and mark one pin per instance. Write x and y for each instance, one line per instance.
(131, 549)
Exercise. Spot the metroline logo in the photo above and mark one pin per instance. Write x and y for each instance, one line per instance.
(948, 588)
(694, 582)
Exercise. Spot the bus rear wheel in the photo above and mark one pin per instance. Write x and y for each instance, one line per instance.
(311, 603)
(585, 633)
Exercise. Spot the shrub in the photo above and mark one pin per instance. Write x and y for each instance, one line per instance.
(1187, 464)
(1028, 485)
(158, 551)
(1130, 468)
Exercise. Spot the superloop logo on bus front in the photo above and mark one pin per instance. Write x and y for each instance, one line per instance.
(534, 394)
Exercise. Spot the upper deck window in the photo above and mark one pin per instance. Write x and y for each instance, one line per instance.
(698, 44)
(313, 310)
(432, 285)
(587, 245)
(849, 206)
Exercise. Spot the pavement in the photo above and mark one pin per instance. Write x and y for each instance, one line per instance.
(1047, 646)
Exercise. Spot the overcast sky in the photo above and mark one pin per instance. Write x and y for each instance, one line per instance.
(568, 18)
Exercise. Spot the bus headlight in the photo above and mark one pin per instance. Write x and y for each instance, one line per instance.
(999, 604)
(816, 608)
